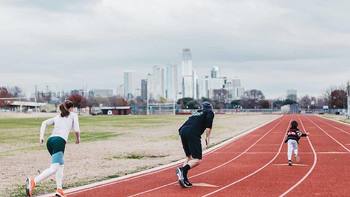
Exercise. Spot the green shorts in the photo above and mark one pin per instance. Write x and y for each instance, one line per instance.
(56, 145)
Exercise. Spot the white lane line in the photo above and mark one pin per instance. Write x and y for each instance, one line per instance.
(342, 130)
(219, 166)
(203, 185)
(310, 170)
(294, 164)
(253, 173)
(283, 152)
(329, 135)
(164, 167)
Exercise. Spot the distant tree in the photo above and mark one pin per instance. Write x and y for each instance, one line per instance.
(338, 99)
(235, 104)
(183, 102)
(204, 99)
(322, 101)
(92, 102)
(193, 105)
(264, 104)
(103, 101)
(78, 100)
(251, 98)
(289, 102)
(278, 104)
(254, 94)
(305, 102)
(4, 94)
(121, 102)
(16, 91)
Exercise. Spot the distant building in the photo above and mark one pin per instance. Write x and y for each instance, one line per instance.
(171, 82)
(120, 90)
(187, 73)
(101, 92)
(128, 85)
(234, 88)
(158, 82)
(144, 89)
(220, 95)
(214, 84)
(292, 95)
(214, 73)
(81, 92)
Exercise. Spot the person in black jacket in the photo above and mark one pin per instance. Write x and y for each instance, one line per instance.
(293, 137)
(190, 133)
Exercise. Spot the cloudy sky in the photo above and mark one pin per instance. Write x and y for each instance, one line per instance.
(271, 45)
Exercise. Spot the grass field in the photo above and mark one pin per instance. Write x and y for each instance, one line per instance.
(23, 133)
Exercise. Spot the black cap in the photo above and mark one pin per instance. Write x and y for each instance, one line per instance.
(207, 106)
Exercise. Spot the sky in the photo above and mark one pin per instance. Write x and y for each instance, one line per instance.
(270, 45)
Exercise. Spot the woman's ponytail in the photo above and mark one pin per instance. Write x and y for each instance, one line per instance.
(64, 108)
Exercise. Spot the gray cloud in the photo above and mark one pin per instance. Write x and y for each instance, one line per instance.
(250, 39)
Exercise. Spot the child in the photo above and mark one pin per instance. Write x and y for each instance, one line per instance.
(63, 124)
(190, 133)
(293, 136)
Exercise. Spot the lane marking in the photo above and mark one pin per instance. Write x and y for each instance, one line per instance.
(329, 135)
(333, 153)
(256, 171)
(268, 144)
(284, 152)
(342, 130)
(286, 164)
(203, 185)
(310, 170)
(167, 166)
(219, 166)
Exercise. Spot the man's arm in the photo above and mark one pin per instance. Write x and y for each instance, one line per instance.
(207, 136)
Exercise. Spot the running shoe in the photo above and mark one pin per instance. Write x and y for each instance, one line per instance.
(179, 174)
(188, 183)
(60, 193)
(30, 185)
(290, 162)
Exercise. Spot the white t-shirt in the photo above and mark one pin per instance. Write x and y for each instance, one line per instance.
(62, 126)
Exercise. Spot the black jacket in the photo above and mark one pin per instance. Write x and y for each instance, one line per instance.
(294, 134)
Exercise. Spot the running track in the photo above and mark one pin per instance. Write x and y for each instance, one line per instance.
(254, 165)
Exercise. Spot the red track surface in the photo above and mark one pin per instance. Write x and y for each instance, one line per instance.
(255, 165)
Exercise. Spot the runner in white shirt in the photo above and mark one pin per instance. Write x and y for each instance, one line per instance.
(63, 125)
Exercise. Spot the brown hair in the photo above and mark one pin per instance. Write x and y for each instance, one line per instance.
(64, 108)
(294, 125)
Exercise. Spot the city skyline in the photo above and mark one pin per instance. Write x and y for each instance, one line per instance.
(270, 45)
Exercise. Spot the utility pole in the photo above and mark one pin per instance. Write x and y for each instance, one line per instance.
(35, 97)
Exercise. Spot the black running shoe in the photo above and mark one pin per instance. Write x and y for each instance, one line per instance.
(188, 183)
(290, 162)
(179, 174)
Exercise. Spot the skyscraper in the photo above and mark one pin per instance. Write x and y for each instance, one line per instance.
(214, 73)
(171, 82)
(186, 62)
(235, 90)
(144, 89)
(128, 84)
(158, 82)
(187, 73)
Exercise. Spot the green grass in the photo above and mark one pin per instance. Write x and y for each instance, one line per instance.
(22, 134)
